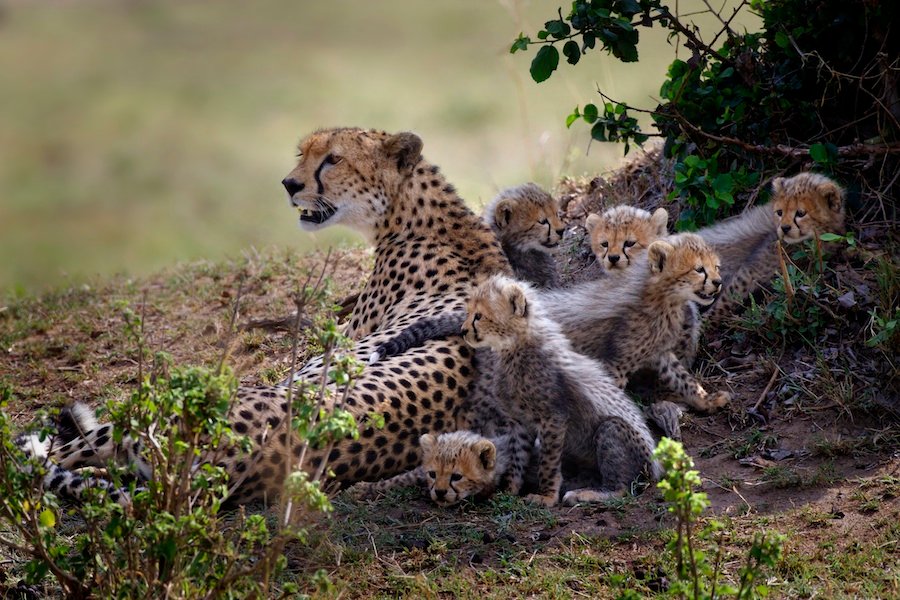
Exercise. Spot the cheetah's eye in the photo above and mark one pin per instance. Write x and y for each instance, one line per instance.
(431, 474)
(604, 244)
(476, 317)
(779, 212)
(700, 269)
(455, 477)
(629, 244)
(544, 222)
(331, 159)
(801, 213)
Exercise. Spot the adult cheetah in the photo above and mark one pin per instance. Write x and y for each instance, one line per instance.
(430, 251)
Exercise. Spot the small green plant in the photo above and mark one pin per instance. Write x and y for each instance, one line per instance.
(698, 554)
(172, 538)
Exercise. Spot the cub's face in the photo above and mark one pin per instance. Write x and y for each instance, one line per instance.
(806, 206)
(690, 265)
(496, 314)
(526, 217)
(623, 233)
(345, 176)
(457, 465)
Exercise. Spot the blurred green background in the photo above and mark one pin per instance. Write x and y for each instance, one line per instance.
(135, 134)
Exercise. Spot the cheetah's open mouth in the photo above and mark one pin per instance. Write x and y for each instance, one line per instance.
(317, 216)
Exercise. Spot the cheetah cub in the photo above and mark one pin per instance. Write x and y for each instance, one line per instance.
(526, 221)
(640, 321)
(565, 398)
(455, 466)
(622, 233)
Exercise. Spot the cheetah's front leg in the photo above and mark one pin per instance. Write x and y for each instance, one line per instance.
(679, 380)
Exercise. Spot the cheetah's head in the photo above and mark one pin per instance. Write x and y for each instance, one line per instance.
(347, 176)
(807, 205)
(525, 217)
(496, 314)
(623, 233)
(457, 465)
(689, 265)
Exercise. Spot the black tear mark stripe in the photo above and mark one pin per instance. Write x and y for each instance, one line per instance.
(319, 187)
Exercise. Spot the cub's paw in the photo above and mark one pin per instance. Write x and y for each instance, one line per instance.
(718, 400)
(363, 490)
(547, 501)
(584, 496)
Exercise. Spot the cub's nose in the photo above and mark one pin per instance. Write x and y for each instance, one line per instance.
(292, 185)
(613, 258)
(560, 232)
(785, 228)
(440, 494)
(717, 283)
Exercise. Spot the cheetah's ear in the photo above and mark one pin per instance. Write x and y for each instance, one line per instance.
(833, 195)
(503, 213)
(592, 221)
(487, 453)
(404, 147)
(777, 186)
(658, 253)
(515, 295)
(426, 442)
(660, 220)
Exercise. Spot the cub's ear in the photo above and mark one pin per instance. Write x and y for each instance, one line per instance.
(658, 254)
(404, 147)
(592, 221)
(833, 195)
(487, 453)
(515, 295)
(777, 186)
(660, 220)
(426, 442)
(503, 213)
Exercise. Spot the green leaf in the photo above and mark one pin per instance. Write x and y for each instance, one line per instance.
(572, 52)
(572, 117)
(830, 237)
(723, 183)
(598, 131)
(590, 113)
(819, 153)
(544, 63)
(521, 43)
(782, 40)
(47, 518)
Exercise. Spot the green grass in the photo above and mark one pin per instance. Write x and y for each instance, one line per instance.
(136, 134)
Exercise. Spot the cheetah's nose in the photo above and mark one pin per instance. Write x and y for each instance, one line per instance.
(292, 185)
(613, 258)
(717, 283)
(560, 232)
(440, 495)
(785, 228)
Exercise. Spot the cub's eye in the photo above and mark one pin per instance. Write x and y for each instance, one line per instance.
(779, 212)
(700, 269)
(604, 244)
(476, 317)
(801, 213)
(331, 159)
(629, 244)
(455, 477)
(431, 474)
(544, 222)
